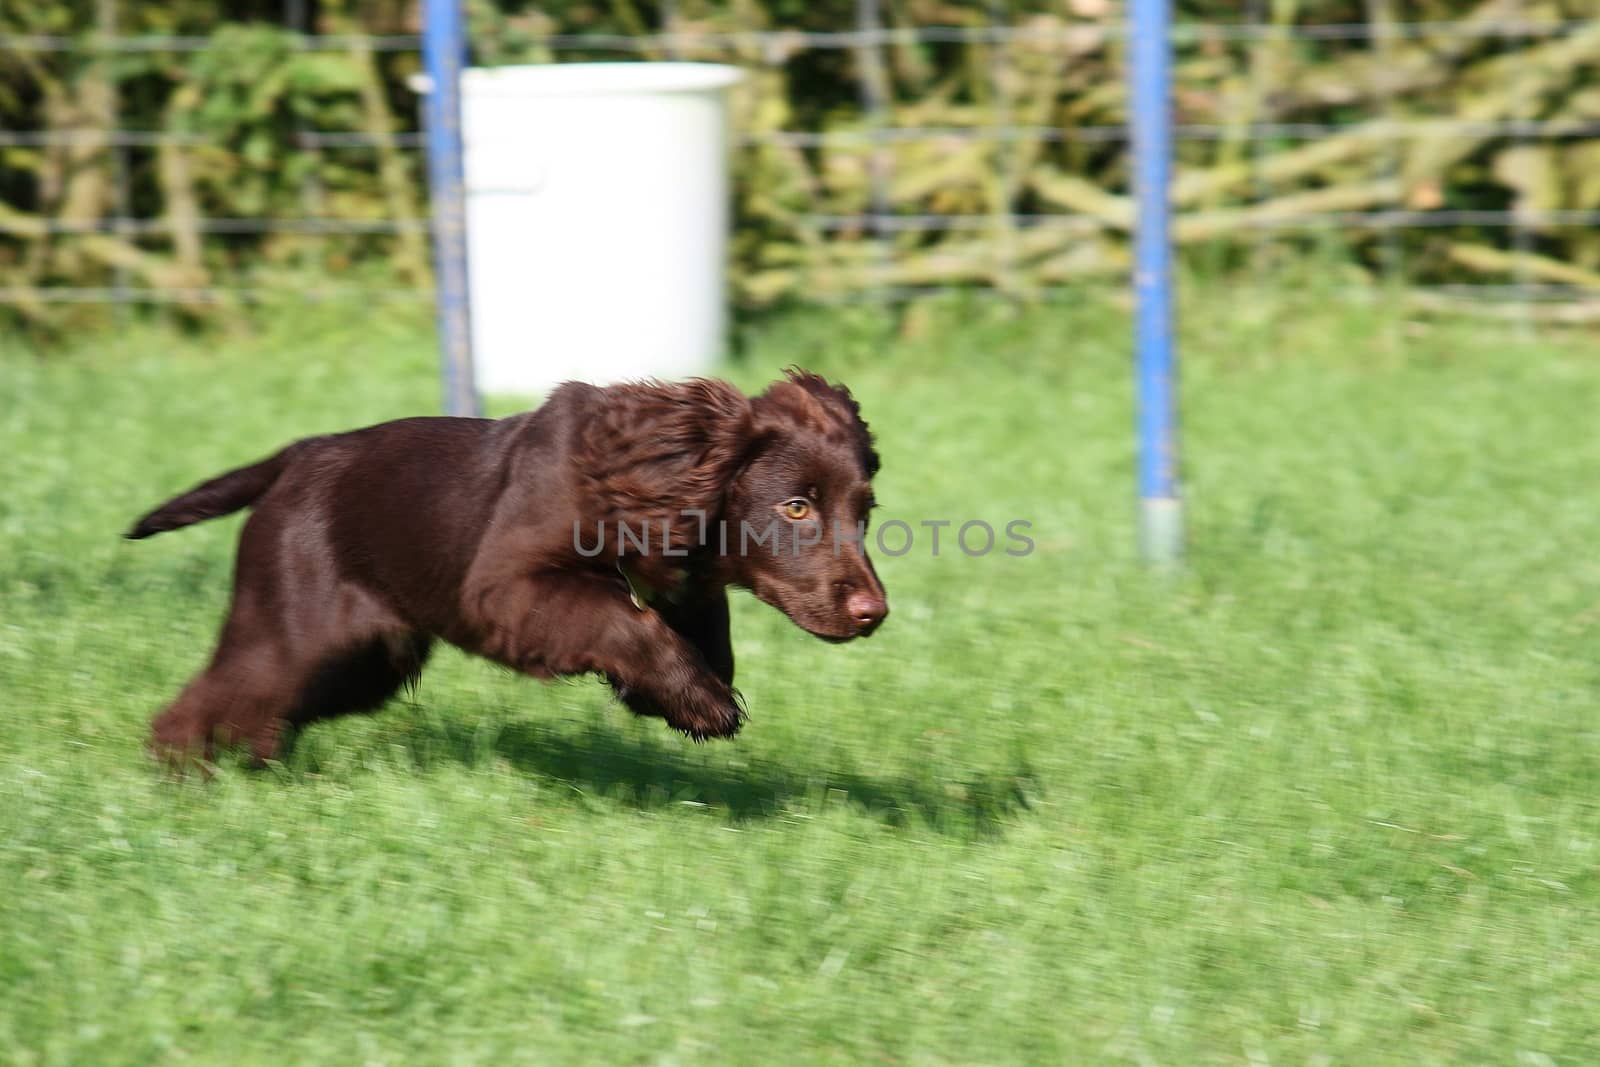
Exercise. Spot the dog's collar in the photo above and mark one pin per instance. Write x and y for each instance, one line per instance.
(642, 593)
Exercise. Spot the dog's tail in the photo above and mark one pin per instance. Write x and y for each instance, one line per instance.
(222, 495)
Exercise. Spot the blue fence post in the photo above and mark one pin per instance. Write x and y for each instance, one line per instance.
(1160, 508)
(444, 50)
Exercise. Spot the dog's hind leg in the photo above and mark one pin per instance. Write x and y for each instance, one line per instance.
(300, 643)
(363, 677)
(260, 698)
(240, 697)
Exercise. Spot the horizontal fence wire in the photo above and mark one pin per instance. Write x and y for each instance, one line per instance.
(888, 223)
(1534, 292)
(158, 138)
(1181, 33)
(777, 47)
(215, 295)
(223, 295)
(1418, 129)
(158, 227)
(91, 44)
(1356, 219)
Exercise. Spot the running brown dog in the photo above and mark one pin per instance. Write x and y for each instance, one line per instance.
(595, 534)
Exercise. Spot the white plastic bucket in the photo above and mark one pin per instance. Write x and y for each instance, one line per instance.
(597, 220)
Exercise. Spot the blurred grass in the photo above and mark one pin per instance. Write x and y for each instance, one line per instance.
(1327, 796)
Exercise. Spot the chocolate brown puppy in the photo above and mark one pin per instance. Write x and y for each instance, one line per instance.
(596, 534)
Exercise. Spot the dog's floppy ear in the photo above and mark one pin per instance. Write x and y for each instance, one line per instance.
(808, 400)
(653, 451)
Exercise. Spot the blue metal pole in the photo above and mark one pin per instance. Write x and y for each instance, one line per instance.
(1160, 509)
(444, 50)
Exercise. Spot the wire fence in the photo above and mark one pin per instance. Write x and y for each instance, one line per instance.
(1455, 156)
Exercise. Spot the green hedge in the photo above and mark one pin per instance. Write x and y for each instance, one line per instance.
(241, 105)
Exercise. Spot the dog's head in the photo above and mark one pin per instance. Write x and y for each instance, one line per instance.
(796, 512)
(788, 473)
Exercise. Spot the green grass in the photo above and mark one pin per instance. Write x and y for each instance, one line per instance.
(1329, 795)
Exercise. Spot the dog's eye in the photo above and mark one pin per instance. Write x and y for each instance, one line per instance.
(797, 508)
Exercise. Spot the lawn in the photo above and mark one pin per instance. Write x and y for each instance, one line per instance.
(1329, 794)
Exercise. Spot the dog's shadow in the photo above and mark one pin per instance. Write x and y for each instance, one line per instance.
(628, 767)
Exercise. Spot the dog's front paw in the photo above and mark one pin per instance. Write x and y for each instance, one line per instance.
(702, 711)
(705, 713)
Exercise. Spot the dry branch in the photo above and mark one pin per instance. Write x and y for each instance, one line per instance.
(1580, 313)
(1538, 72)
(398, 190)
(179, 197)
(1119, 212)
(1494, 261)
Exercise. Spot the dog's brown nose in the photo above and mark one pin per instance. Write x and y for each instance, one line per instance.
(866, 610)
